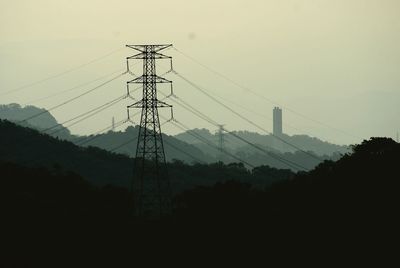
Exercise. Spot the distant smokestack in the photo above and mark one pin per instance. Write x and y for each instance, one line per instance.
(277, 125)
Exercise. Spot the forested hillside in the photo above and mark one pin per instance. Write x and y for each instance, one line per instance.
(31, 148)
(185, 146)
(270, 142)
(360, 187)
(27, 116)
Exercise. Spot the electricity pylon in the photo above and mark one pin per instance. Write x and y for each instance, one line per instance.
(150, 183)
(221, 142)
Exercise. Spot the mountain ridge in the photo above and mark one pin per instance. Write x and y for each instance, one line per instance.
(29, 147)
(185, 147)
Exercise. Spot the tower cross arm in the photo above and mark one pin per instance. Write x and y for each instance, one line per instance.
(136, 56)
(155, 55)
(155, 48)
(137, 80)
(155, 103)
(161, 56)
(160, 79)
(161, 104)
(138, 104)
(154, 78)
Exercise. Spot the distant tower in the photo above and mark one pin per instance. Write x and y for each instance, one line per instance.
(397, 137)
(221, 142)
(277, 116)
(113, 124)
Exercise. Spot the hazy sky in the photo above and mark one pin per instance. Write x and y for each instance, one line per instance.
(336, 62)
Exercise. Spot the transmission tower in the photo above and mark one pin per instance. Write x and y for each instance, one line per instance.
(221, 142)
(150, 183)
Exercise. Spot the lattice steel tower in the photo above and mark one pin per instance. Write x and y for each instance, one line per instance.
(221, 142)
(150, 183)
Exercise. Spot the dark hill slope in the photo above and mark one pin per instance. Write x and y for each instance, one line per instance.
(362, 188)
(174, 148)
(270, 142)
(30, 148)
(16, 113)
(35, 194)
(108, 141)
(365, 183)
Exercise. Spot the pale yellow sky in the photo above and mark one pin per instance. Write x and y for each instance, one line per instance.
(334, 61)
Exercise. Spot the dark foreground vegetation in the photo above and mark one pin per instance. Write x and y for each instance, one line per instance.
(357, 192)
(363, 185)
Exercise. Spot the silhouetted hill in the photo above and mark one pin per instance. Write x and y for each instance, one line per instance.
(185, 147)
(37, 193)
(31, 148)
(362, 185)
(174, 148)
(180, 150)
(357, 195)
(268, 143)
(362, 188)
(16, 113)
(108, 141)
(305, 142)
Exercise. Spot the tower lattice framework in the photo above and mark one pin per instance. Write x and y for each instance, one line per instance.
(150, 184)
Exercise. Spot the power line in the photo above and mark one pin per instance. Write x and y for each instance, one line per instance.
(196, 112)
(72, 88)
(101, 107)
(85, 113)
(125, 143)
(130, 140)
(184, 152)
(241, 116)
(59, 74)
(271, 154)
(166, 142)
(85, 141)
(117, 124)
(256, 113)
(235, 103)
(193, 110)
(90, 115)
(74, 98)
(209, 143)
(96, 134)
(97, 110)
(262, 96)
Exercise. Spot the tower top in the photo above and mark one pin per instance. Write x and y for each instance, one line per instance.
(155, 48)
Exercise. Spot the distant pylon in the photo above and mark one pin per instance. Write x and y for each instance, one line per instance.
(397, 136)
(113, 124)
(150, 183)
(221, 142)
